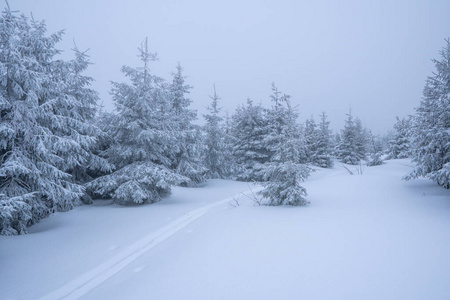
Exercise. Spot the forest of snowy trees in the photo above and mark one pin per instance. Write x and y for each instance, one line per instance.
(58, 150)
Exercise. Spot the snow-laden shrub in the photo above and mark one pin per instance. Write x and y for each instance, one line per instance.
(283, 184)
(136, 183)
(375, 160)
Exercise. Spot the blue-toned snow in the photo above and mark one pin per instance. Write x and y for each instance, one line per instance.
(369, 236)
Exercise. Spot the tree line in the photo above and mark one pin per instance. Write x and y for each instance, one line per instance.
(58, 150)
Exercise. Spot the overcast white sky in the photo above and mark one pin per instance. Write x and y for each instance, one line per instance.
(372, 56)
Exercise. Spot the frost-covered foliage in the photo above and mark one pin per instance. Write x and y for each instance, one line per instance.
(310, 138)
(375, 150)
(187, 159)
(216, 161)
(284, 172)
(323, 144)
(231, 163)
(15, 214)
(248, 131)
(83, 163)
(336, 141)
(374, 160)
(144, 138)
(45, 130)
(136, 183)
(351, 148)
(399, 145)
(431, 126)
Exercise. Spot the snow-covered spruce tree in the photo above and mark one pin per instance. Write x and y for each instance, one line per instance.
(399, 146)
(362, 139)
(215, 160)
(228, 140)
(43, 131)
(310, 136)
(375, 147)
(83, 163)
(336, 142)
(275, 119)
(431, 126)
(350, 148)
(323, 152)
(143, 138)
(284, 173)
(248, 131)
(187, 159)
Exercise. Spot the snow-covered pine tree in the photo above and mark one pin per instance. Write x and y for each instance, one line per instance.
(350, 147)
(43, 132)
(187, 160)
(143, 138)
(336, 142)
(275, 119)
(284, 173)
(431, 126)
(375, 147)
(215, 159)
(399, 146)
(82, 162)
(310, 134)
(362, 139)
(228, 140)
(249, 130)
(323, 152)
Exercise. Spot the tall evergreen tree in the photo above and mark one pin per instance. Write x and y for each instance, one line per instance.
(44, 127)
(231, 166)
(431, 126)
(83, 162)
(187, 159)
(284, 173)
(323, 151)
(215, 160)
(249, 150)
(144, 138)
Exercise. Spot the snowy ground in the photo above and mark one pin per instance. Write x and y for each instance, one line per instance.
(370, 236)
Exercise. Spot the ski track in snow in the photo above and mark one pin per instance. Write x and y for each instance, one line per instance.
(96, 276)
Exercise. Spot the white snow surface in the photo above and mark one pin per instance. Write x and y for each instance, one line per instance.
(369, 236)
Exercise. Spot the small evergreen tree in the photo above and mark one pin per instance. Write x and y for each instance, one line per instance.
(310, 134)
(362, 139)
(284, 173)
(351, 147)
(399, 146)
(376, 150)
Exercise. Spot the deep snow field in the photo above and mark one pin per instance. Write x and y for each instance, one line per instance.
(369, 236)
